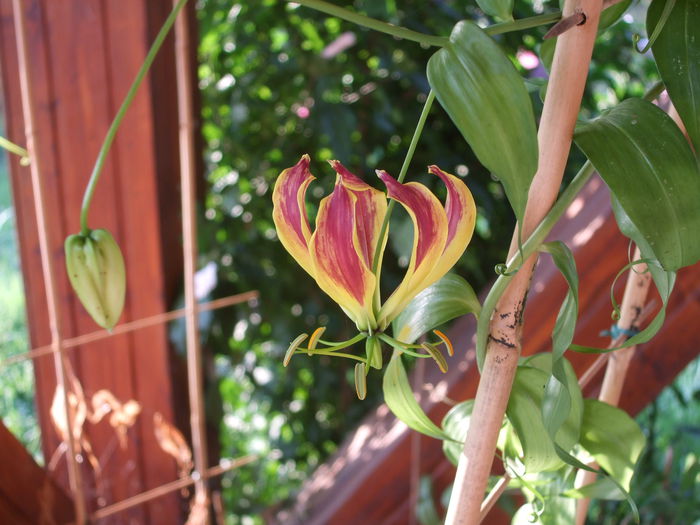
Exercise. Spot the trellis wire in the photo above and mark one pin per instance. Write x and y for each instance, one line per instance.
(189, 249)
(131, 326)
(190, 312)
(148, 495)
(74, 478)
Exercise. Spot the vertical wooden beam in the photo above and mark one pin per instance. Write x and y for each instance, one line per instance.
(29, 495)
(84, 55)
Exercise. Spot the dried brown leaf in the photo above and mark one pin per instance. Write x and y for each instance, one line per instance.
(173, 442)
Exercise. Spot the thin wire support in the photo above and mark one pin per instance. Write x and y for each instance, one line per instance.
(74, 476)
(189, 234)
(138, 324)
(148, 495)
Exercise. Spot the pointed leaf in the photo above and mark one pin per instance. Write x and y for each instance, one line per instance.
(565, 325)
(487, 100)
(525, 414)
(399, 398)
(677, 55)
(604, 488)
(443, 301)
(647, 164)
(613, 438)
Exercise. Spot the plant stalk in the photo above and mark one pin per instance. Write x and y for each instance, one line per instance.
(114, 127)
(373, 23)
(569, 71)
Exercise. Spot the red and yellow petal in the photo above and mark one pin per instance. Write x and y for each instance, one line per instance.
(370, 210)
(430, 227)
(340, 252)
(460, 210)
(289, 212)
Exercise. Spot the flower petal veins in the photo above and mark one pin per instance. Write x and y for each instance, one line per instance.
(430, 229)
(342, 247)
(289, 212)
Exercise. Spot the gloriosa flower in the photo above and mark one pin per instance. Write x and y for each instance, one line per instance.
(339, 254)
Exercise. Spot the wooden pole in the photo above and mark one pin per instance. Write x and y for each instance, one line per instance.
(189, 233)
(564, 92)
(631, 309)
(75, 481)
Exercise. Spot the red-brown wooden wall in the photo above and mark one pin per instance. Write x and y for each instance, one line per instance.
(84, 55)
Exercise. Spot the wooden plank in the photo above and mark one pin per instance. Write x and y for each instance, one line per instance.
(368, 476)
(85, 54)
(27, 493)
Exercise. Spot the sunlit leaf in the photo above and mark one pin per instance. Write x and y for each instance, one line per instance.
(677, 54)
(487, 100)
(443, 301)
(603, 488)
(648, 166)
(613, 438)
(399, 398)
(456, 424)
(525, 414)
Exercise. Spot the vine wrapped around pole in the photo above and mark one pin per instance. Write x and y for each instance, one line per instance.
(569, 71)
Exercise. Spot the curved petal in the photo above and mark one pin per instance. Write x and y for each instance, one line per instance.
(343, 245)
(461, 217)
(370, 210)
(289, 211)
(430, 227)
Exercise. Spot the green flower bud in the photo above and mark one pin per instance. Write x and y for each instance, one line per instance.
(96, 271)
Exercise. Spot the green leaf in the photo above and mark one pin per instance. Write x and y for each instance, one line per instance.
(603, 488)
(500, 8)
(564, 328)
(443, 301)
(564, 422)
(487, 100)
(456, 424)
(648, 166)
(612, 14)
(613, 438)
(663, 280)
(677, 54)
(399, 398)
(525, 413)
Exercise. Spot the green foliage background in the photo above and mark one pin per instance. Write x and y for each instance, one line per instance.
(269, 95)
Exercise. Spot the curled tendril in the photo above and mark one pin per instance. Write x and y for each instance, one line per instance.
(668, 7)
(615, 315)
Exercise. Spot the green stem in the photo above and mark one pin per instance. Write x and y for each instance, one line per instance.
(523, 23)
(332, 347)
(398, 345)
(373, 23)
(395, 342)
(332, 354)
(538, 236)
(109, 138)
(14, 148)
(402, 175)
(530, 246)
